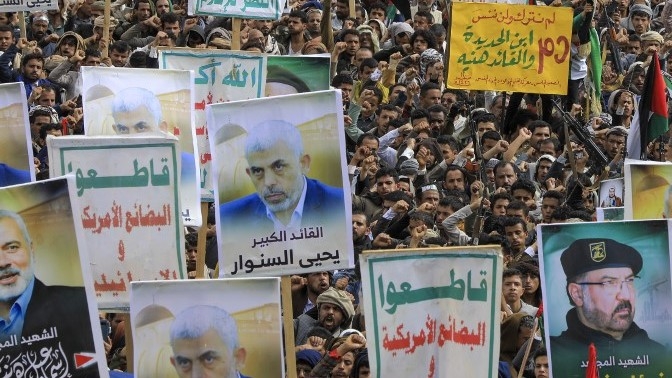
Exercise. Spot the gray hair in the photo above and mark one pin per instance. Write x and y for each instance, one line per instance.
(269, 133)
(130, 99)
(195, 321)
(6, 214)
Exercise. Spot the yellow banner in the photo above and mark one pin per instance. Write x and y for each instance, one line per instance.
(521, 48)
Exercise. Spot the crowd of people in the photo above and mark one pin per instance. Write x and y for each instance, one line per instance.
(429, 165)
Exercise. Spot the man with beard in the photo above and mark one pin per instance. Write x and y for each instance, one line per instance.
(28, 308)
(613, 200)
(31, 68)
(505, 175)
(305, 290)
(341, 13)
(639, 19)
(516, 234)
(119, 53)
(334, 312)
(349, 279)
(40, 33)
(285, 198)
(297, 22)
(272, 45)
(601, 276)
(142, 12)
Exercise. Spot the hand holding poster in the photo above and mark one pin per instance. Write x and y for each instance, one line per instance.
(519, 48)
(129, 234)
(616, 279)
(430, 311)
(46, 291)
(282, 184)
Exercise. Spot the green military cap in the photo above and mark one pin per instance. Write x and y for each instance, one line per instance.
(585, 255)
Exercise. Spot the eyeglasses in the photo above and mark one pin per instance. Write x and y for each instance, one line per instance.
(613, 285)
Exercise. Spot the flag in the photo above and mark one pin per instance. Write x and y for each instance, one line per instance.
(668, 82)
(652, 106)
(591, 371)
(595, 73)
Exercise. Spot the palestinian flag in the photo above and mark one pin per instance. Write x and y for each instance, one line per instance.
(652, 106)
(668, 82)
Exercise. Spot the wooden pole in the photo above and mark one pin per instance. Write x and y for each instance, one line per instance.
(351, 5)
(106, 28)
(128, 334)
(288, 325)
(202, 233)
(235, 29)
(527, 350)
(22, 23)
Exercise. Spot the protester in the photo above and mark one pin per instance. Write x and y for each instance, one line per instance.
(419, 175)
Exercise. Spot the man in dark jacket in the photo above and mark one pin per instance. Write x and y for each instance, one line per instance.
(36, 318)
(600, 284)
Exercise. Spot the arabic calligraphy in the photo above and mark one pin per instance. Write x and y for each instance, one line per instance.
(255, 4)
(527, 81)
(512, 49)
(203, 130)
(234, 7)
(205, 157)
(166, 274)
(29, 340)
(141, 177)
(510, 41)
(449, 332)
(16, 5)
(455, 290)
(304, 233)
(37, 3)
(236, 77)
(524, 17)
(221, 2)
(624, 363)
(114, 287)
(47, 361)
(136, 218)
(287, 259)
